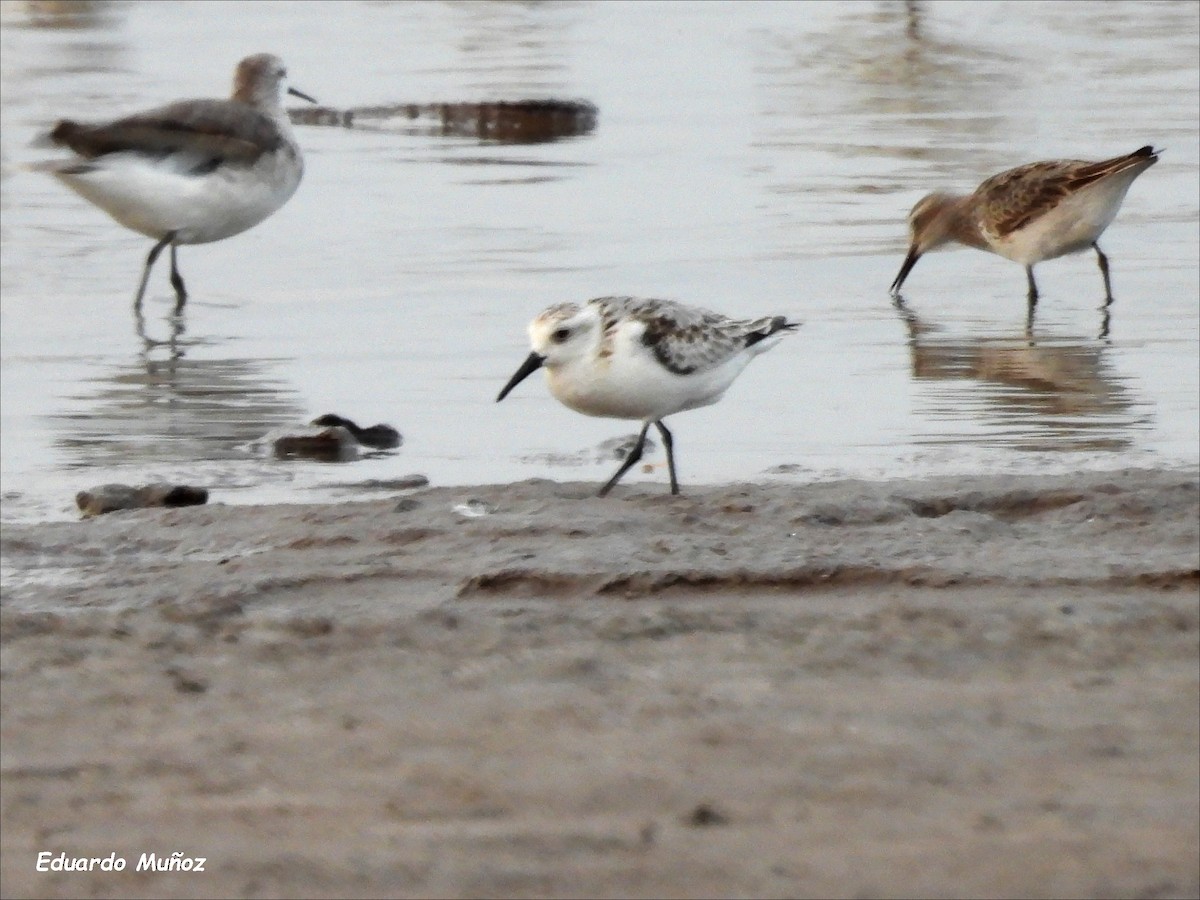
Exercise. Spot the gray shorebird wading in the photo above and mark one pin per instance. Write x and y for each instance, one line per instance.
(1031, 213)
(626, 358)
(193, 171)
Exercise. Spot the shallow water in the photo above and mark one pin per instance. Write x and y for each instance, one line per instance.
(754, 158)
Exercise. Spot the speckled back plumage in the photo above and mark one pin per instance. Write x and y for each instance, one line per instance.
(685, 339)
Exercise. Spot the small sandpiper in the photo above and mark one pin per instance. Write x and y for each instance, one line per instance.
(193, 171)
(631, 358)
(1031, 213)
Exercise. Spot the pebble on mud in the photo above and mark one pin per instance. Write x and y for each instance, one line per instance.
(705, 815)
(474, 508)
(111, 497)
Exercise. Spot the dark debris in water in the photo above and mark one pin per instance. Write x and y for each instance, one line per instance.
(378, 437)
(331, 444)
(502, 121)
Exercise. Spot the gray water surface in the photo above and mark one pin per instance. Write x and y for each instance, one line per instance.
(754, 158)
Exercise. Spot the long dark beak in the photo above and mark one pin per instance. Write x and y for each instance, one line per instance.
(300, 94)
(532, 363)
(909, 262)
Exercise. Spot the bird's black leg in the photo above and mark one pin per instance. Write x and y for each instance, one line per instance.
(150, 258)
(1103, 260)
(1033, 297)
(177, 280)
(630, 460)
(670, 445)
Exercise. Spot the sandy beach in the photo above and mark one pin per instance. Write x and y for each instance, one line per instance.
(925, 621)
(958, 687)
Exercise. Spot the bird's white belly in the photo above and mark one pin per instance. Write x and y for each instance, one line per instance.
(1071, 226)
(640, 389)
(154, 197)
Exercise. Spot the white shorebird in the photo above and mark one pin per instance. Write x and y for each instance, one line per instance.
(626, 358)
(193, 171)
(1031, 213)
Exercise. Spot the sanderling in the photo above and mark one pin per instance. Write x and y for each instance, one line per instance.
(627, 358)
(1031, 213)
(193, 171)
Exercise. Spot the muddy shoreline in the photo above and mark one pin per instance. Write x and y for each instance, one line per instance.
(981, 686)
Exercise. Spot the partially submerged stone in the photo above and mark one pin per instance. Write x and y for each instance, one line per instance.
(331, 444)
(377, 437)
(329, 438)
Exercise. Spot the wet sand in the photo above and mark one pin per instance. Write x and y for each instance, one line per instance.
(958, 687)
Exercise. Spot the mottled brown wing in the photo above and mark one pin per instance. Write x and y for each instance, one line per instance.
(1012, 199)
(218, 129)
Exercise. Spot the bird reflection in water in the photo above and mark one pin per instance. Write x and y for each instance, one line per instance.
(1035, 394)
(173, 403)
(173, 344)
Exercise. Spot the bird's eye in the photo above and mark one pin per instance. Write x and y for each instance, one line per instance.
(560, 335)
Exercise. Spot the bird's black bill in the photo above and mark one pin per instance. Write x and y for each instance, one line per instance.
(532, 363)
(909, 262)
(300, 94)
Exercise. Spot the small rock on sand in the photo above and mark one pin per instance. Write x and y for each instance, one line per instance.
(111, 497)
